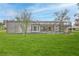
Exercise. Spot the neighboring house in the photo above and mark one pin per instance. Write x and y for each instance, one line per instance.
(35, 27)
(76, 24)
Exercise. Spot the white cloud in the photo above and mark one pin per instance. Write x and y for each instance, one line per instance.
(66, 5)
(52, 7)
(36, 9)
(8, 13)
(11, 13)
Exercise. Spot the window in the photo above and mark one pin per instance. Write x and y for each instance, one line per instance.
(35, 28)
(43, 28)
(49, 28)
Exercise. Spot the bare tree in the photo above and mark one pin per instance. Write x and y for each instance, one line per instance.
(18, 19)
(77, 14)
(78, 5)
(77, 17)
(62, 17)
(24, 19)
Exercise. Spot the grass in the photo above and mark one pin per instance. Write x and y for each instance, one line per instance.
(39, 44)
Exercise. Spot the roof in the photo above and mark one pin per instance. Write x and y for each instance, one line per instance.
(31, 21)
(6, 21)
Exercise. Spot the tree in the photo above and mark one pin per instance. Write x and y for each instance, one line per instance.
(77, 14)
(77, 17)
(78, 5)
(1, 26)
(18, 19)
(24, 19)
(62, 17)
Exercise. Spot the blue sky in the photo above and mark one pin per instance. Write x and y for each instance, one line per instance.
(40, 11)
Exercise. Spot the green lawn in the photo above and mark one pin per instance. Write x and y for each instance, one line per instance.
(39, 44)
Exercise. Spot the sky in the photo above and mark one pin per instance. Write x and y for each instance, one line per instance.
(40, 11)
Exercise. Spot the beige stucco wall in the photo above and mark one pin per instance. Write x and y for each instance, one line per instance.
(14, 27)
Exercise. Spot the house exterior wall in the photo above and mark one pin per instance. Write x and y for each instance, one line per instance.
(33, 27)
(10, 27)
(13, 27)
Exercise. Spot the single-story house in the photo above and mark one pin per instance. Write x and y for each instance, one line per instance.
(35, 27)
